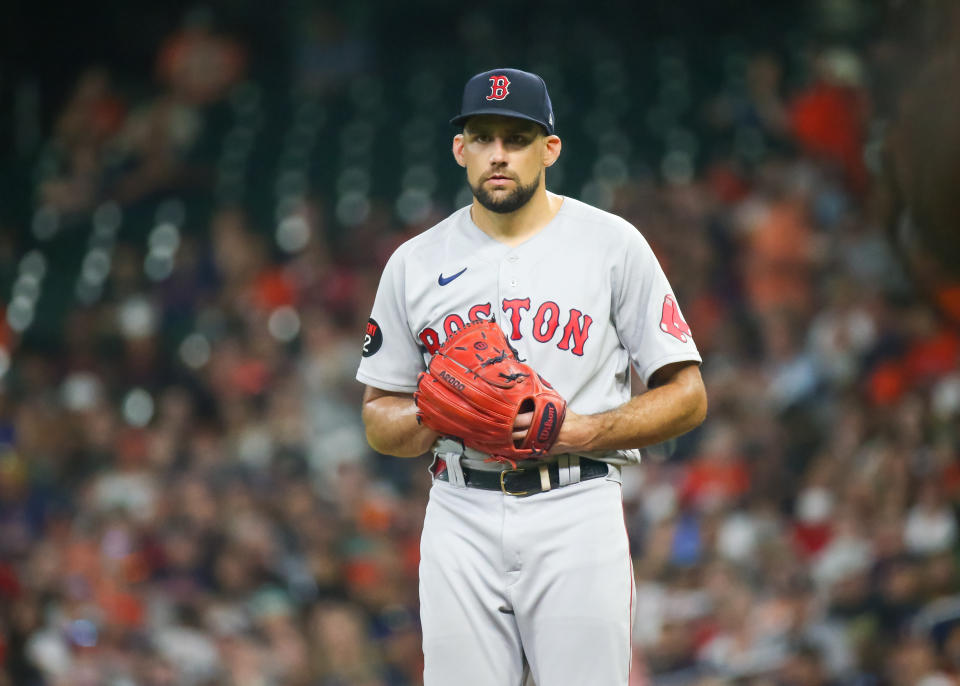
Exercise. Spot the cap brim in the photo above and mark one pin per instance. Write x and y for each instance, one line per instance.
(460, 120)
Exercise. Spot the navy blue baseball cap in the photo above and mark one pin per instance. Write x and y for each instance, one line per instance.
(508, 92)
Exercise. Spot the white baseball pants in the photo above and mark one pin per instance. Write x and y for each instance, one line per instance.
(541, 583)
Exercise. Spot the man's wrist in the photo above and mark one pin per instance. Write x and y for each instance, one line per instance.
(577, 433)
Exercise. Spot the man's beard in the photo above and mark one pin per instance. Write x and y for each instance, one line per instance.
(513, 201)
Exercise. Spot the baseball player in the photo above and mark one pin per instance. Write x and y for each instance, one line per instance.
(525, 564)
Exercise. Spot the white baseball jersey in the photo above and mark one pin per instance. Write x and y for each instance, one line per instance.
(580, 300)
(541, 585)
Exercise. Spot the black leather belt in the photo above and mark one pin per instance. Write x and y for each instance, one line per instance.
(523, 481)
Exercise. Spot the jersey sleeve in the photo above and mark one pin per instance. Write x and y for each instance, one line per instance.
(390, 359)
(647, 314)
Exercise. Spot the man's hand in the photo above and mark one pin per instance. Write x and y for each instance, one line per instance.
(675, 404)
(576, 431)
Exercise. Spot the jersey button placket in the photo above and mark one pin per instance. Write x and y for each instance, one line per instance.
(510, 273)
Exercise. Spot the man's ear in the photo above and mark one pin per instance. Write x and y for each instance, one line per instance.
(458, 149)
(551, 150)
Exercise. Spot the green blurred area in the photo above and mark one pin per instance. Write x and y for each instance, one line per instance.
(347, 104)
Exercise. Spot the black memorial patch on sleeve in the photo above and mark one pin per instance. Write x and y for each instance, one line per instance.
(372, 338)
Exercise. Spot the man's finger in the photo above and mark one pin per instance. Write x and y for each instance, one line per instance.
(521, 424)
(523, 421)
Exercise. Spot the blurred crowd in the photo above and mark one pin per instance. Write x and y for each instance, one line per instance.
(186, 495)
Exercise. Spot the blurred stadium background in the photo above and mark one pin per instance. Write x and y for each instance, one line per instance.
(195, 205)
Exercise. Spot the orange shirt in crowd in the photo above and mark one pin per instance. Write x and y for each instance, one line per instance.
(778, 260)
(710, 479)
(828, 122)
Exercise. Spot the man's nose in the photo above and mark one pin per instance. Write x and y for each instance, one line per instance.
(498, 152)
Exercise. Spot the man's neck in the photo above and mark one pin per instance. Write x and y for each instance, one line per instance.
(513, 228)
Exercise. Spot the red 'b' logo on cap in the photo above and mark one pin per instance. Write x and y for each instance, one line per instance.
(498, 87)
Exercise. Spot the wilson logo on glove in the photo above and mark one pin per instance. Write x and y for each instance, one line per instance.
(548, 423)
(474, 388)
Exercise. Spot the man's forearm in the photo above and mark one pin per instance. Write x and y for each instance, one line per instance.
(652, 417)
(392, 428)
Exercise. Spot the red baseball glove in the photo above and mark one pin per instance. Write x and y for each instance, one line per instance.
(476, 386)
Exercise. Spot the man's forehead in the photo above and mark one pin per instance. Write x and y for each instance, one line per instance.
(499, 122)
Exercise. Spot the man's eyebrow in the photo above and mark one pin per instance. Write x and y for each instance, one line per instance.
(522, 129)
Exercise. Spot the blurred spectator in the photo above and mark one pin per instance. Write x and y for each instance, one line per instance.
(84, 132)
(198, 65)
(328, 55)
(342, 650)
(829, 118)
(718, 476)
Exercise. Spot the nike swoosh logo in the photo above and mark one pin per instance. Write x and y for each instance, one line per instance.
(444, 280)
